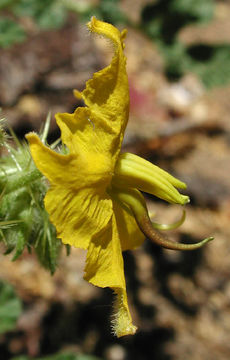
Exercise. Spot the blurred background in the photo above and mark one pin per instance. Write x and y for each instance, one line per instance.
(178, 62)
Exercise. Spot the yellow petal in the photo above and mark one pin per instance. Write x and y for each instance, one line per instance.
(74, 170)
(77, 216)
(107, 93)
(51, 164)
(105, 268)
(77, 201)
(129, 233)
(85, 134)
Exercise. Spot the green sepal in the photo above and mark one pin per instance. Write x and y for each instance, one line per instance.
(24, 222)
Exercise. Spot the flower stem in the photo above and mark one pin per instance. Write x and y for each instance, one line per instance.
(152, 234)
(136, 203)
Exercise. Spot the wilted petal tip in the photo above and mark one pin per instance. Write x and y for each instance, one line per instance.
(121, 323)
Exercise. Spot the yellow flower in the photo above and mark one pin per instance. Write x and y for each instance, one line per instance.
(93, 199)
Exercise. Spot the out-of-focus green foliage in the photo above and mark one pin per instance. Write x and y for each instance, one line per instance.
(210, 63)
(163, 20)
(107, 10)
(10, 32)
(48, 14)
(215, 69)
(24, 223)
(200, 10)
(6, 3)
(10, 308)
(64, 356)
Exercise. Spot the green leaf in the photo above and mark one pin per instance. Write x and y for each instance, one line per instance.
(20, 244)
(10, 308)
(47, 246)
(10, 32)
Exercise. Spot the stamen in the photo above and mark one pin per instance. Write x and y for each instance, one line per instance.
(148, 165)
(132, 171)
